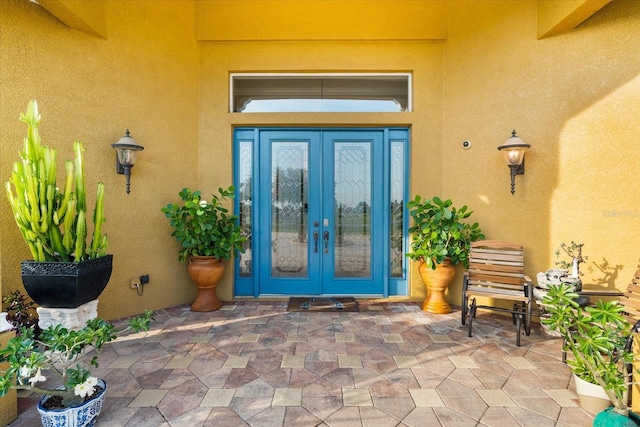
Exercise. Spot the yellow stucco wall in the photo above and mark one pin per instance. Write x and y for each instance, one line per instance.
(249, 20)
(143, 77)
(88, 17)
(555, 17)
(573, 97)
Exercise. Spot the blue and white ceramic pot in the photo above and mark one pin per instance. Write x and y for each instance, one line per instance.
(83, 415)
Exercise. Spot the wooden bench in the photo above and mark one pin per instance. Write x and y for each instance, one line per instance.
(631, 298)
(631, 302)
(496, 271)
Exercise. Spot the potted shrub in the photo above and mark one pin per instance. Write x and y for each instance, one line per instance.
(76, 399)
(441, 239)
(66, 272)
(208, 235)
(560, 274)
(574, 251)
(21, 312)
(598, 338)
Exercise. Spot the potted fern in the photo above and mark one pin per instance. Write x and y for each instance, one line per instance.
(66, 271)
(441, 239)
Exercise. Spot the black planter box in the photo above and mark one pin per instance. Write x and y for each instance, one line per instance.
(66, 284)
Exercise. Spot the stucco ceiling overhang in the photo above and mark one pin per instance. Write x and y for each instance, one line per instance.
(217, 20)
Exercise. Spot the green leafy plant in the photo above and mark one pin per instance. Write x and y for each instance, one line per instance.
(61, 352)
(596, 336)
(205, 228)
(21, 312)
(439, 231)
(52, 221)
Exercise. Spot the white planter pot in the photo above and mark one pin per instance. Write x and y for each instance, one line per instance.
(593, 398)
(547, 330)
(550, 277)
(83, 415)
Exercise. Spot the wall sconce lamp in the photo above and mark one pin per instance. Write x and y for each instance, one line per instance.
(513, 150)
(127, 150)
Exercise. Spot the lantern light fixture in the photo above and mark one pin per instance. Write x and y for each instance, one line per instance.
(126, 153)
(513, 150)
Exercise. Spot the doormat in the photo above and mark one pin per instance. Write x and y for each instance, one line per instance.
(323, 304)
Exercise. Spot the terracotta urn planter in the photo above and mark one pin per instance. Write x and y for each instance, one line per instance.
(437, 281)
(206, 272)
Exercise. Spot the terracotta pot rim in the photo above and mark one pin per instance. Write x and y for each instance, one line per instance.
(446, 261)
(205, 257)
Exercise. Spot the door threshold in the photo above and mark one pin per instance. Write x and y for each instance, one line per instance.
(273, 297)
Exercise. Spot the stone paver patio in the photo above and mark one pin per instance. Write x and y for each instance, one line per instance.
(255, 364)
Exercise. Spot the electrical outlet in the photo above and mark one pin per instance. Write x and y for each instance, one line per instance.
(135, 284)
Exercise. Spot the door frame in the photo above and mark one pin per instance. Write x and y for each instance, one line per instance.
(246, 143)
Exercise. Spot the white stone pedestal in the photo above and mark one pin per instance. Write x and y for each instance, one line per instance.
(70, 318)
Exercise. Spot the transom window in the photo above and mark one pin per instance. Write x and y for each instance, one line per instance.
(302, 92)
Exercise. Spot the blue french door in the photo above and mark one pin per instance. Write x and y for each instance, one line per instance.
(320, 212)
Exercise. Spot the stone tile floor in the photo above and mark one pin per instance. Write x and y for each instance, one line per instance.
(252, 363)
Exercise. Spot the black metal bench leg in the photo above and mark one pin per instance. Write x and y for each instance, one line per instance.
(529, 307)
(465, 308)
(471, 315)
(518, 328)
(465, 300)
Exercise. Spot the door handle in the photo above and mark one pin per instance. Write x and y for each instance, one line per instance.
(316, 236)
(325, 236)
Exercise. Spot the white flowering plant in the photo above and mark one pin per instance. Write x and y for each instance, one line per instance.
(62, 353)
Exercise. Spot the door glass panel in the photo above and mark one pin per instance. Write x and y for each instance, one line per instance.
(352, 207)
(245, 192)
(397, 208)
(289, 207)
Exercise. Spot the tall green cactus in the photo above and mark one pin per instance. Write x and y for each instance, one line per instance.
(53, 222)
